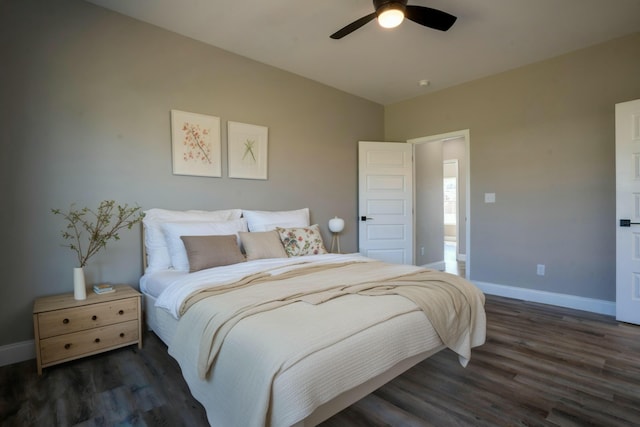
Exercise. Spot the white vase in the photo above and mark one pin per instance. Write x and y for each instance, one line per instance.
(79, 287)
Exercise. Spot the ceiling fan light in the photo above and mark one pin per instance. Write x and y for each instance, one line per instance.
(390, 17)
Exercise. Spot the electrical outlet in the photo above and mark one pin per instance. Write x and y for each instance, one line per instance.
(540, 270)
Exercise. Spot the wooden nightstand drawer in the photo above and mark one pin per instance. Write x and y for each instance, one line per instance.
(91, 316)
(66, 329)
(88, 342)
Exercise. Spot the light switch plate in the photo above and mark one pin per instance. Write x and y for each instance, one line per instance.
(489, 197)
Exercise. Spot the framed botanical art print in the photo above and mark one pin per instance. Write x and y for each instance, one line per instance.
(195, 141)
(247, 150)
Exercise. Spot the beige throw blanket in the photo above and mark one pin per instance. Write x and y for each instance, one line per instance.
(453, 305)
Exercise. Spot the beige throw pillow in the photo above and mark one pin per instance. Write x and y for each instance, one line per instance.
(211, 251)
(262, 244)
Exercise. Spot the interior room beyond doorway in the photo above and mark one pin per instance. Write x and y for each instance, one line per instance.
(441, 234)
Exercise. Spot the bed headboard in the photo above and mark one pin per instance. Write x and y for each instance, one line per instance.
(144, 250)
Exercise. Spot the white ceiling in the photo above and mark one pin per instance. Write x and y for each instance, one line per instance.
(385, 66)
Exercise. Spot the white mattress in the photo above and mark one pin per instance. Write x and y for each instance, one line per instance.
(154, 283)
(158, 320)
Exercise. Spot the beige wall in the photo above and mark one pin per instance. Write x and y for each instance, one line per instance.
(542, 139)
(429, 220)
(85, 96)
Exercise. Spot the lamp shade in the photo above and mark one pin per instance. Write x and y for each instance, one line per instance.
(336, 224)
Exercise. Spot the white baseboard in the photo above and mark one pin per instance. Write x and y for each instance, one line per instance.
(17, 352)
(551, 298)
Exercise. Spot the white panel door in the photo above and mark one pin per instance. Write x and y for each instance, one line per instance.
(385, 212)
(628, 212)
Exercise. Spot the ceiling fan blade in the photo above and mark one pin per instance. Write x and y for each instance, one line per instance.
(432, 18)
(353, 26)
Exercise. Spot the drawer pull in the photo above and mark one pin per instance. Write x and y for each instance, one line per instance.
(65, 321)
(121, 334)
(121, 312)
(67, 346)
(94, 317)
(97, 340)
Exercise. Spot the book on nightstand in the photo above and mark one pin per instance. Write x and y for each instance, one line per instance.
(103, 288)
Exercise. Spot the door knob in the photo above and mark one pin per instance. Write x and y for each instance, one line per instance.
(365, 218)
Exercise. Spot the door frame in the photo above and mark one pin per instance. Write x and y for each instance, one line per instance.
(464, 133)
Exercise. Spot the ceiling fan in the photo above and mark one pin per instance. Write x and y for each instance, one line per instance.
(391, 13)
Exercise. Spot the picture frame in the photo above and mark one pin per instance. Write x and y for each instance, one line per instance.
(247, 149)
(195, 144)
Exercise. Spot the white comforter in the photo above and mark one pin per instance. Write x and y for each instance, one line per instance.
(277, 366)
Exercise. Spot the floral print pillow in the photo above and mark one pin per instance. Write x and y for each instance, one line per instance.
(300, 241)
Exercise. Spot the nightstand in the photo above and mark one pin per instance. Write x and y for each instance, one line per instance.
(67, 329)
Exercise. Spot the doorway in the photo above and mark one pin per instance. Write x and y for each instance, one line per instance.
(431, 246)
(450, 208)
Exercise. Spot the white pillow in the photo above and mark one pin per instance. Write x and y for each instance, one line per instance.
(154, 241)
(173, 231)
(269, 220)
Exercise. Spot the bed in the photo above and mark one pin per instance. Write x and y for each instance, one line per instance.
(286, 333)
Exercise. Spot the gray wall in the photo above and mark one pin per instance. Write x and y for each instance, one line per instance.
(85, 96)
(542, 138)
(429, 213)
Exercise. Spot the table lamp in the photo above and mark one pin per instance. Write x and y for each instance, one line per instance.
(336, 225)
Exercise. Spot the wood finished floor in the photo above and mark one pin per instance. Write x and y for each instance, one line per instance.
(541, 366)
